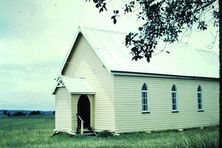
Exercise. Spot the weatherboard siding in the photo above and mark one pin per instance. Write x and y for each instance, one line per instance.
(63, 110)
(74, 110)
(129, 117)
(85, 63)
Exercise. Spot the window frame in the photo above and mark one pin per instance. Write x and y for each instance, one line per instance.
(145, 99)
(199, 92)
(174, 99)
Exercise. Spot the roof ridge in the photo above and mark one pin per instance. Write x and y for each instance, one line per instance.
(103, 29)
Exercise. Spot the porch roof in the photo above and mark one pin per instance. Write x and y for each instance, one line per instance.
(74, 85)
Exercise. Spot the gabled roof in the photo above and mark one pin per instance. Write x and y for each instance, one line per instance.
(110, 48)
(74, 85)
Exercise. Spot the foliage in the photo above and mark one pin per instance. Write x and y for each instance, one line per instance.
(36, 131)
(35, 113)
(5, 112)
(105, 134)
(164, 20)
(19, 113)
(8, 114)
(100, 4)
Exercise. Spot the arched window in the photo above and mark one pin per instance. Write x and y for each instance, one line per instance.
(199, 98)
(144, 92)
(174, 98)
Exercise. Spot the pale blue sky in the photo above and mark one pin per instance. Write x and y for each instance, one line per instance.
(35, 36)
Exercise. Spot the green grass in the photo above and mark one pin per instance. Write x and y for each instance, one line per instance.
(36, 132)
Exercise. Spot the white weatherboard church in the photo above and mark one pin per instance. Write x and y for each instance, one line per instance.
(101, 88)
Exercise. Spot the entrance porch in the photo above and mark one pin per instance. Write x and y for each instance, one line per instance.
(74, 105)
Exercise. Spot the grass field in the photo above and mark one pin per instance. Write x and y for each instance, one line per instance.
(34, 132)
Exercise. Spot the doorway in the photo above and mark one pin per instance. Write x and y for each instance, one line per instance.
(84, 111)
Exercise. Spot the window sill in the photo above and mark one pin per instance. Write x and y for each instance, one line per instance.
(145, 112)
(200, 110)
(175, 111)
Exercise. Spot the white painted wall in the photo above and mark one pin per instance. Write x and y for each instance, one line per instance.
(129, 115)
(63, 110)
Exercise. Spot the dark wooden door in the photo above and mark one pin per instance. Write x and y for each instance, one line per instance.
(84, 111)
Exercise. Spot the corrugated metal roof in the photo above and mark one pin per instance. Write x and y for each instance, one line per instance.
(109, 47)
(185, 62)
(74, 85)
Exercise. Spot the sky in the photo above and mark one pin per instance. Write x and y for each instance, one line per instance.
(35, 37)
